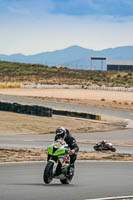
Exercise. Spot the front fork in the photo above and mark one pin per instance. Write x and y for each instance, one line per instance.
(54, 166)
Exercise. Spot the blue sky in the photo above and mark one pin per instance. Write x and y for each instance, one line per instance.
(34, 26)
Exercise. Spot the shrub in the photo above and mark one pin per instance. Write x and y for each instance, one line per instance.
(129, 74)
(118, 76)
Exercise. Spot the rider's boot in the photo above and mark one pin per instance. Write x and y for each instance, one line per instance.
(70, 170)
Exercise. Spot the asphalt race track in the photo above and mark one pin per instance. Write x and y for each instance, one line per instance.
(92, 180)
(42, 141)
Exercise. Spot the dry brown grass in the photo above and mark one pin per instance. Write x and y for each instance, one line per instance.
(9, 85)
(36, 154)
(14, 123)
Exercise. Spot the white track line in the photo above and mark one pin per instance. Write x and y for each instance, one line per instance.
(112, 198)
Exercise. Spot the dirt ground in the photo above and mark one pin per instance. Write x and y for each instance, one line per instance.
(115, 99)
(9, 154)
(15, 123)
(34, 154)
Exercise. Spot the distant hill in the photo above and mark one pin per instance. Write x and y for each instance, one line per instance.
(74, 57)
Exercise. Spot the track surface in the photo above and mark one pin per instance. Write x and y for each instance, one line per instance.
(91, 180)
(41, 141)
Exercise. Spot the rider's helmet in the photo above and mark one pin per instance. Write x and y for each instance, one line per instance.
(104, 142)
(61, 133)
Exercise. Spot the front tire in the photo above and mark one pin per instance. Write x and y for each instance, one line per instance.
(48, 173)
(113, 150)
(96, 148)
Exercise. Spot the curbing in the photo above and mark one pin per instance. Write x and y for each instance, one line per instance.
(44, 111)
(98, 117)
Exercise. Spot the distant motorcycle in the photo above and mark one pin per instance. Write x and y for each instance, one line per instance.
(106, 147)
(58, 163)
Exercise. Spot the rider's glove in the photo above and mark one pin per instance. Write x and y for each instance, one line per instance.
(71, 152)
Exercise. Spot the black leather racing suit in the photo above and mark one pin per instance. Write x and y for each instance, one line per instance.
(70, 140)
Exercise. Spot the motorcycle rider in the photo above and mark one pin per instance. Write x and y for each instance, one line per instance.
(62, 133)
(103, 144)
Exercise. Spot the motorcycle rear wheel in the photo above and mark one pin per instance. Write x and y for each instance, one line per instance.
(68, 179)
(48, 173)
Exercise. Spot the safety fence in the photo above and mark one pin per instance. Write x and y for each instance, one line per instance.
(43, 111)
(90, 87)
(96, 87)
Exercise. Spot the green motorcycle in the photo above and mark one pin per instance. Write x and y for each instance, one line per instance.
(58, 163)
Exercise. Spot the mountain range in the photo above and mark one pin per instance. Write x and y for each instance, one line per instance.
(74, 57)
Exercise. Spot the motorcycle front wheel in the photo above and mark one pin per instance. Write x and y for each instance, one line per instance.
(48, 173)
(113, 149)
(96, 148)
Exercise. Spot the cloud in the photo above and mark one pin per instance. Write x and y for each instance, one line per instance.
(25, 7)
(99, 8)
(121, 8)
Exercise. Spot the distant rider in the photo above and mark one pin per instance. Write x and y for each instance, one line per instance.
(103, 144)
(62, 133)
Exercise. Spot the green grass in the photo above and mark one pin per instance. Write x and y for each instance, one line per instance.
(20, 72)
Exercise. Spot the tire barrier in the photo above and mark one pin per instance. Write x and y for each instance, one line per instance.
(26, 109)
(43, 111)
(76, 114)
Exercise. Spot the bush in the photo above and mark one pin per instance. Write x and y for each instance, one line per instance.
(118, 76)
